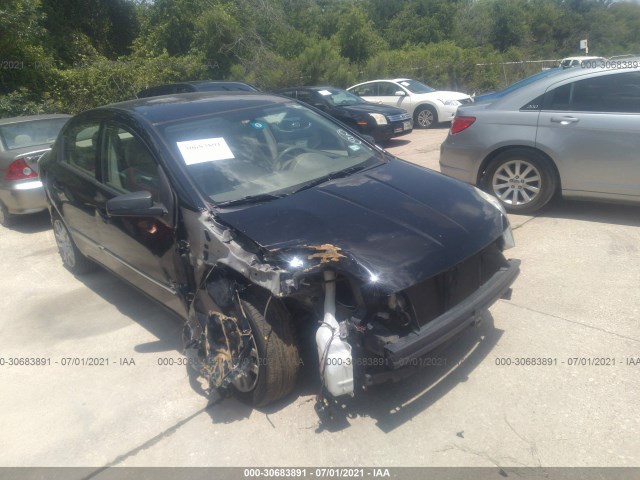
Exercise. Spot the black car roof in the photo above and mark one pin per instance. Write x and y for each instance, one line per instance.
(169, 108)
(315, 88)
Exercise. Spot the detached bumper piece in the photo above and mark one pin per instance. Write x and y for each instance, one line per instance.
(454, 320)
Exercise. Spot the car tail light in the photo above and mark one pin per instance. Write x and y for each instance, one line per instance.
(19, 170)
(461, 123)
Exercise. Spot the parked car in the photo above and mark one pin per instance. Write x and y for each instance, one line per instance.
(379, 121)
(583, 61)
(575, 133)
(492, 96)
(426, 105)
(23, 140)
(253, 218)
(197, 86)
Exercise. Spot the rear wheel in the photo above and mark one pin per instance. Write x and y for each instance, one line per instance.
(425, 117)
(523, 180)
(274, 358)
(72, 259)
(6, 219)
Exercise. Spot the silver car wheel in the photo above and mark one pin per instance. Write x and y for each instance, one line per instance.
(425, 118)
(516, 182)
(248, 381)
(65, 245)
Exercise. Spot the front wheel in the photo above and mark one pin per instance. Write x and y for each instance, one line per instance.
(425, 117)
(274, 357)
(523, 180)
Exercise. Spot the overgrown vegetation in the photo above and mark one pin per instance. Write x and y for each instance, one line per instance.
(70, 55)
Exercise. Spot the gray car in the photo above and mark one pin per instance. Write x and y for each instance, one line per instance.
(575, 133)
(23, 140)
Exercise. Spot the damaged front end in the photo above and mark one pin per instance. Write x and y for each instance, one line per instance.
(365, 333)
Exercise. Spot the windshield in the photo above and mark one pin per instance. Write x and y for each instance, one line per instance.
(265, 152)
(416, 87)
(340, 97)
(30, 133)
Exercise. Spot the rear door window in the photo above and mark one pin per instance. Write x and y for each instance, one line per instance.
(614, 93)
(368, 90)
(388, 89)
(81, 147)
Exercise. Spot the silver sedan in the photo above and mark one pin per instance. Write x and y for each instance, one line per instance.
(23, 140)
(575, 134)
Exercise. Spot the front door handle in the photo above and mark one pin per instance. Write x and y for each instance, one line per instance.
(566, 120)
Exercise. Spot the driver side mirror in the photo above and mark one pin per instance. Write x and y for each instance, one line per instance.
(399, 93)
(135, 204)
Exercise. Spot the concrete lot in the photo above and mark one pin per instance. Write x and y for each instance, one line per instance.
(577, 296)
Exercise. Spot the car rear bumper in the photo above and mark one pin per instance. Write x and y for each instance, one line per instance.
(453, 321)
(23, 197)
(458, 162)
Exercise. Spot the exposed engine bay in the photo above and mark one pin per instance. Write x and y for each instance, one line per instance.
(364, 335)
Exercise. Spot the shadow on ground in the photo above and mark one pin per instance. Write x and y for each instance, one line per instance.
(390, 404)
(32, 223)
(609, 213)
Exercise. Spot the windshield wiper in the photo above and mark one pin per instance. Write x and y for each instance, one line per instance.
(262, 197)
(332, 176)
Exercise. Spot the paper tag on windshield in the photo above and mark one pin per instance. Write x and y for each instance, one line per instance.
(204, 150)
(324, 92)
(406, 84)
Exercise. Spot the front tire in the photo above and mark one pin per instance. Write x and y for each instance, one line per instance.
(275, 357)
(72, 259)
(522, 179)
(425, 117)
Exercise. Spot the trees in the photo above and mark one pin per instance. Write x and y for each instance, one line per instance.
(73, 54)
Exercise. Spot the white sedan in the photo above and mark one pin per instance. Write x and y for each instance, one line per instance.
(427, 106)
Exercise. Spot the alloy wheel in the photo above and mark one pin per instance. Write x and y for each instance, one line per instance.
(65, 245)
(516, 182)
(425, 118)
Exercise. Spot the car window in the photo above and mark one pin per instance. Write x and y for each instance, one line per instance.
(128, 165)
(340, 98)
(81, 147)
(416, 87)
(387, 89)
(266, 150)
(222, 87)
(31, 133)
(617, 92)
(308, 97)
(367, 90)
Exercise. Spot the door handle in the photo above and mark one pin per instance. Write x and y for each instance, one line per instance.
(565, 120)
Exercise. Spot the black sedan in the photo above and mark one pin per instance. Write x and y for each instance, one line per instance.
(254, 218)
(379, 121)
(197, 86)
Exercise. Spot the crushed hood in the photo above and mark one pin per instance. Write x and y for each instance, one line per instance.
(392, 226)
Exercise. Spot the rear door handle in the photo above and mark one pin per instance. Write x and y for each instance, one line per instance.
(565, 120)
